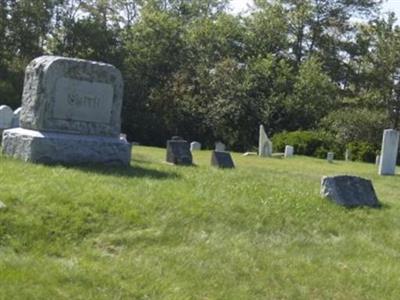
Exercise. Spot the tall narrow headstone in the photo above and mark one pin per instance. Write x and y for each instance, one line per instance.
(390, 144)
(219, 146)
(70, 114)
(330, 156)
(264, 143)
(289, 150)
(377, 159)
(347, 155)
(195, 146)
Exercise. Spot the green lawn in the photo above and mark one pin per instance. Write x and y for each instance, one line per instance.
(155, 231)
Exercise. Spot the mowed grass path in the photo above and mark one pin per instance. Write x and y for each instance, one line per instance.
(155, 231)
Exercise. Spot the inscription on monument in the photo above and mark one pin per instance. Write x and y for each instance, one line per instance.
(83, 101)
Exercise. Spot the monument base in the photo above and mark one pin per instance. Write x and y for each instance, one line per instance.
(53, 148)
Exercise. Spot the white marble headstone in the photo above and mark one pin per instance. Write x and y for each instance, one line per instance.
(289, 150)
(15, 120)
(195, 146)
(330, 156)
(390, 145)
(377, 159)
(6, 116)
(219, 146)
(347, 155)
(264, 143)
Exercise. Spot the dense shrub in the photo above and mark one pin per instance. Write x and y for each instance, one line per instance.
(363, 151)
(351, 125)
(310, 143)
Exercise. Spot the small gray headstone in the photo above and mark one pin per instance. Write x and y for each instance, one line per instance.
(195, 146)
(178, 152)
(6, 116)
(349, 191)
(330, 156)
(222, 159)
(219, 146)
(15, 120)
(289, 150)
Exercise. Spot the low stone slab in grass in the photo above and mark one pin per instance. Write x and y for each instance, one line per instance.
(222, 159)
(349, 191)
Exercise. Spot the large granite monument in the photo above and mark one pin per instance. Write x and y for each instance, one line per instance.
(15, 120)
(70, 114)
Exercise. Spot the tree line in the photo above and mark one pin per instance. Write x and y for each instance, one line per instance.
(191, 68)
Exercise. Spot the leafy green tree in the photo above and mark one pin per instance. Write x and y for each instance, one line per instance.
(314, 96)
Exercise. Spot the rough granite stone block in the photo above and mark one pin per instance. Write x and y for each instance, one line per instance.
(53, 148)
(350, 191)
(70, 114)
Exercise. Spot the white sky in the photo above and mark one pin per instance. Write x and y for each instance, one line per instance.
(389, 5)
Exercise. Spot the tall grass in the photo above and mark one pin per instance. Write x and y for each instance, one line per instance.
(155, 231)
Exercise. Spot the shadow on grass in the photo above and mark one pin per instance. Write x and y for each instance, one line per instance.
(129, 171)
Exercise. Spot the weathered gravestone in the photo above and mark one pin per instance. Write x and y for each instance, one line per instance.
(15, 120)
(390, 144)
(178, 152)
(222, 159)
(195, 146)
(289, 150)
(219, 146)
(330, 156)
(347, 155)
(264, 143)
(349, 191)
(6, 116)
(70, 114)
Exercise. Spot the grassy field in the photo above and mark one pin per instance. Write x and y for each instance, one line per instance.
(155, 231)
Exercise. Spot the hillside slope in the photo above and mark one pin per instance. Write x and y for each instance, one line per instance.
(155, 231)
